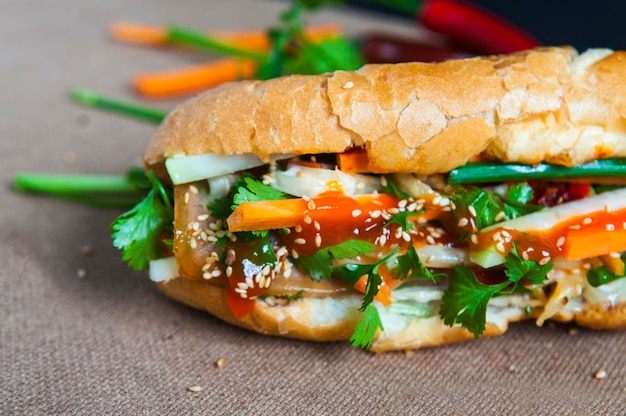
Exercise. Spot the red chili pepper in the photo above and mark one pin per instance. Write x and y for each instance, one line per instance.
(474, 27)
(385, 48)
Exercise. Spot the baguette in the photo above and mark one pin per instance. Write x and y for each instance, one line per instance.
(419, 121)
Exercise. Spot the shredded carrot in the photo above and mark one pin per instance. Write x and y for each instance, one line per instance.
(141, 34)
(191, 79)
(594, 240)
(353, 161)
(267, 215)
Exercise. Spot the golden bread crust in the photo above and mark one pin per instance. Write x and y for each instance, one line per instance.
(547, 104)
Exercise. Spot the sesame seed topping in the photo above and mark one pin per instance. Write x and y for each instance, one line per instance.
(242, 285)
(298, 228)
(393, 210)
(471, 210)
(193, 189)
(402, 203)
(202, 217)
(318, 240)
(348, 84)
(193, 244)
(229, 271)
(560, 241)
(382, 240)
(406, 237)
(186, 198)
(430, 240)
(316, 225)
(356, 213)
(544, 261)
(375, 213)
(587, 221)
(499, 216)
(474, 239)
(615, 255)
(500, 247)
(398, 232)
(610, 227)
(311, 204)
(299, 241)
(307, 219)
(194, 389)
(463, 222)
(383, 181)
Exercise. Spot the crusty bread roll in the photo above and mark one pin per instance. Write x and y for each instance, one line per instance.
(549, 104)
(545, 105)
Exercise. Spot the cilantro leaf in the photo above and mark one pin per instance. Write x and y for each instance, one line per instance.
(137, 232)
(410, 265)
(402, 219)
(255, 190)
(465, 300)
(482, 203)
(319, 265)
(390, 187)
(518, 269)
(516, 201)
(366, 328)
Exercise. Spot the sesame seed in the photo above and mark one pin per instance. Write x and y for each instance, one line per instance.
(216, 273)
(525, 255)
(393, 211)
(500, 247)
(375, 213)
(242, 285)
(497, 236)
(318, 240)
(250, 280)
(499, 216)
(266, 270)
(545, 253)
(195, 226)
(186, 198)
(193, 189)
(194, 389)
(474, 239)
(348, 84)
(430, 240)
(406, 237)
(356, 213)
(382, 240)
(282, 252)
(307, 219)
(560, 241)
(202, 217)
(398, 232)
(294, 253)
(437, 200)
(311, 204)
(220, 362)
(229, 271)
(299, 241)
(206, 275)
(471, 210)
(402, 203)
(383, 181)
(298, 228)
(610, 227)
(316, 225)
(600, 374)
(193, 244)
(268, 282)
(412, 207)
(261, 281)
(463, 222)
(587, 221)
(615, 255)
(544, 261)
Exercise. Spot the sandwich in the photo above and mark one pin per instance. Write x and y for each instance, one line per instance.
(398, 206)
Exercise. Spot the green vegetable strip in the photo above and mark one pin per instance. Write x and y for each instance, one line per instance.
(202, 41)
(99, 190)
(491, 172)
(93, 99)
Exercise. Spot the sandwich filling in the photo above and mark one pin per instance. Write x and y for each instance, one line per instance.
(434, 247)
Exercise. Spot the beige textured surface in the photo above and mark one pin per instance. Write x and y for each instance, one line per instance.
(110, 343)
(549, 104)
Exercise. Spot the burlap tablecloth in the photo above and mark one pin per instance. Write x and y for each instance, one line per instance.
(80, 333)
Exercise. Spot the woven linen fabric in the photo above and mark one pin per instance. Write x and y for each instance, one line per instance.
(81, 333)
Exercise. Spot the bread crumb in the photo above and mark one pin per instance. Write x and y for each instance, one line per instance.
(194, 388)
(600, 374)
(220, 362)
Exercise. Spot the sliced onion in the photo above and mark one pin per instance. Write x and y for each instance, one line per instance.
(162, 270)
(442, 257)
(219, 186)
(411, 185)
(302, 180)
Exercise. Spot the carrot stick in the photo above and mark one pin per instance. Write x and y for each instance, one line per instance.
(141, 34)
(353, 161)
(267, 215)
(138, 34)
(194, 78)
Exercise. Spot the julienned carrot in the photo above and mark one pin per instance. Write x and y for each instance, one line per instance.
(138, 33)
(141, 34)
(194, 78)
(601, 234)
(353, 161)
(267, 215)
